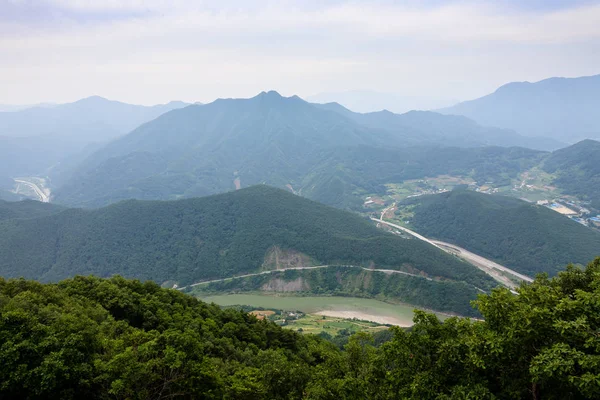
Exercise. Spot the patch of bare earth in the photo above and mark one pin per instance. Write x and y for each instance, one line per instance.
(280, 285)
(238, 183)
(277, 258)
(390, 213)
(262, 314)
(380, 319)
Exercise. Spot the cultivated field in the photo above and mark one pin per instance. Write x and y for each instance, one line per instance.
(338, 307)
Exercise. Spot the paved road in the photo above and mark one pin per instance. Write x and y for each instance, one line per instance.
(481, 260)
(491, 268)
(385, 271)
(38, 191)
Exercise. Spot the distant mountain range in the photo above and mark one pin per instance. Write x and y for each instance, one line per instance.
(35, 139)
(250, 230)
(205, 149)
(365, 101)
(427, 127)
(565, 109)
(523, 236)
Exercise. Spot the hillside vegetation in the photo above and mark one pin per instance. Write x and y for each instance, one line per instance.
(103, 339)
(577, 170)
(520, 235)
(219, 236)
(27, 209)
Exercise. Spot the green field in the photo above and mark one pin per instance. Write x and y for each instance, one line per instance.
(339, 307)
(311, 323)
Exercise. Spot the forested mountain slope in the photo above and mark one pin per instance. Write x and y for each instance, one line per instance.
(224, 235)
(362, 169)
(577, 170)
(523, 236)
(27, 209)
(212, 148)
(565, 109)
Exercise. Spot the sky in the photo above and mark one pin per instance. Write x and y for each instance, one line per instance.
(154, 51)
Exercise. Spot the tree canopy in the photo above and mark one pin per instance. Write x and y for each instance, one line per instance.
(115, 338)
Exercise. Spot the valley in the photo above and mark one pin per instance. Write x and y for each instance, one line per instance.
(250, 200)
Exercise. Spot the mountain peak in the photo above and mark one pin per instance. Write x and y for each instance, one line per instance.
(271, 94)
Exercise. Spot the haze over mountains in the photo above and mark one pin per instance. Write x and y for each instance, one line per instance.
(365, 101)
(565, 109)
(37, 138)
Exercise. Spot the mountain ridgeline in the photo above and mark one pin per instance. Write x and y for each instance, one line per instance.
(212, 148)
(250, 230)
(523, 236)
(565, 109)
(37, 140)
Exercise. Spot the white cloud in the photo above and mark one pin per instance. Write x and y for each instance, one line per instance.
(294, 48)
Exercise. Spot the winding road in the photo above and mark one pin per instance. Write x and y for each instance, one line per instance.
(385, 271)
(493, 269)
(44, 198)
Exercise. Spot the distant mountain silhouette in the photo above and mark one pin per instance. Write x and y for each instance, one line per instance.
(449, 130)
(371, 101)
(565, 109)
(35, 139)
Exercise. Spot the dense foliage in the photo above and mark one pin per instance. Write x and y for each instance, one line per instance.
(27, 209)
(446, 296)
(94, 338)
(578, 170)
(523, 236)
(190, 240)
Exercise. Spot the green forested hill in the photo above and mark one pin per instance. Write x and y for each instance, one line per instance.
(27, 209)
(218, 236)
(523, 236)
(577, 170)
(91, 338)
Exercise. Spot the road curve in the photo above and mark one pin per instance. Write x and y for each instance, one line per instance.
(490, 267)
(385, 271)
(38, 191)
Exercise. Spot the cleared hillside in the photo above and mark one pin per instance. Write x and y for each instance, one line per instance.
(523, 236)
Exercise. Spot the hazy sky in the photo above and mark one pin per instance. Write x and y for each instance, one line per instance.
(153, 51)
